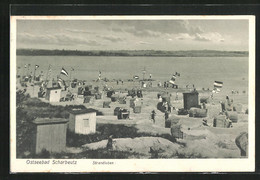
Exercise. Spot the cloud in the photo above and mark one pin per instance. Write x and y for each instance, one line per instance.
(169, 29)
(142, 33)
(79, 31)
(58, 39)
(111, 38)
(199, 37)
(154, 28)
(183, 36)
(212, 36)
(136, 32)
(143, 42)
(204, 37)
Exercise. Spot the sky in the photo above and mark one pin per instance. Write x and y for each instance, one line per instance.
(170, 35)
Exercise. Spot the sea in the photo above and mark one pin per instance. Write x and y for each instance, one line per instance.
(198, 71)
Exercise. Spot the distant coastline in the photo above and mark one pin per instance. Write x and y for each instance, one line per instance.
(152, 53)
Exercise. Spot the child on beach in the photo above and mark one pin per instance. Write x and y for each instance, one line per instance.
(153, 116)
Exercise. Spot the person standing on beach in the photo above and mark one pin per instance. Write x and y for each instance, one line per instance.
(160, 99)
(204, 105)
(166, 115)
(166, 106)
(229, 102)
(110, 143)
(153, 116)
(223, 106)
(117, 82)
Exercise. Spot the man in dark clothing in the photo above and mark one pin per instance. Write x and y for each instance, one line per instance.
(110, 143)
(223, 106)
(166, 115)
(153, 116)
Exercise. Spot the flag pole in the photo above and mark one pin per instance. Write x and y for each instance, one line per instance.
(70, 78)
(18, 71)
(27, 73)
(25, 67)
(33, 78)
(47, 74)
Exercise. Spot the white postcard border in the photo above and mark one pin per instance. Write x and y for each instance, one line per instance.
(135, 165)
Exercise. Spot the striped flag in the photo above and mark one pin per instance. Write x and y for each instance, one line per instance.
(136, 77)
(64, 72)
(218, 84)
(216, 90)
(172, 82)
(173, 78)
(60, 82)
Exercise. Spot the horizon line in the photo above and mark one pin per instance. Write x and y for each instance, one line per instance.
(132, 50)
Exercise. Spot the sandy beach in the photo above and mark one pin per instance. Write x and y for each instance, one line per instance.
(204, 141)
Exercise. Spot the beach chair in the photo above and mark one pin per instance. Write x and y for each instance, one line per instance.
(106, 104)
(233, 116)
(98, 96)
(176, 131)
(137, 109)
(116, 110)
(123, 114)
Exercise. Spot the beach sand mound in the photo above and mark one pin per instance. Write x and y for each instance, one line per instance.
(140, 145)
(204, 142)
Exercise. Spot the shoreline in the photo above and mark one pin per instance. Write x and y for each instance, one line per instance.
(132, 53)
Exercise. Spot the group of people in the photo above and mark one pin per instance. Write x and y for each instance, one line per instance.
(153, 114)
(228, 102)
(143, 84)
(236, 92)
(117, 82)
